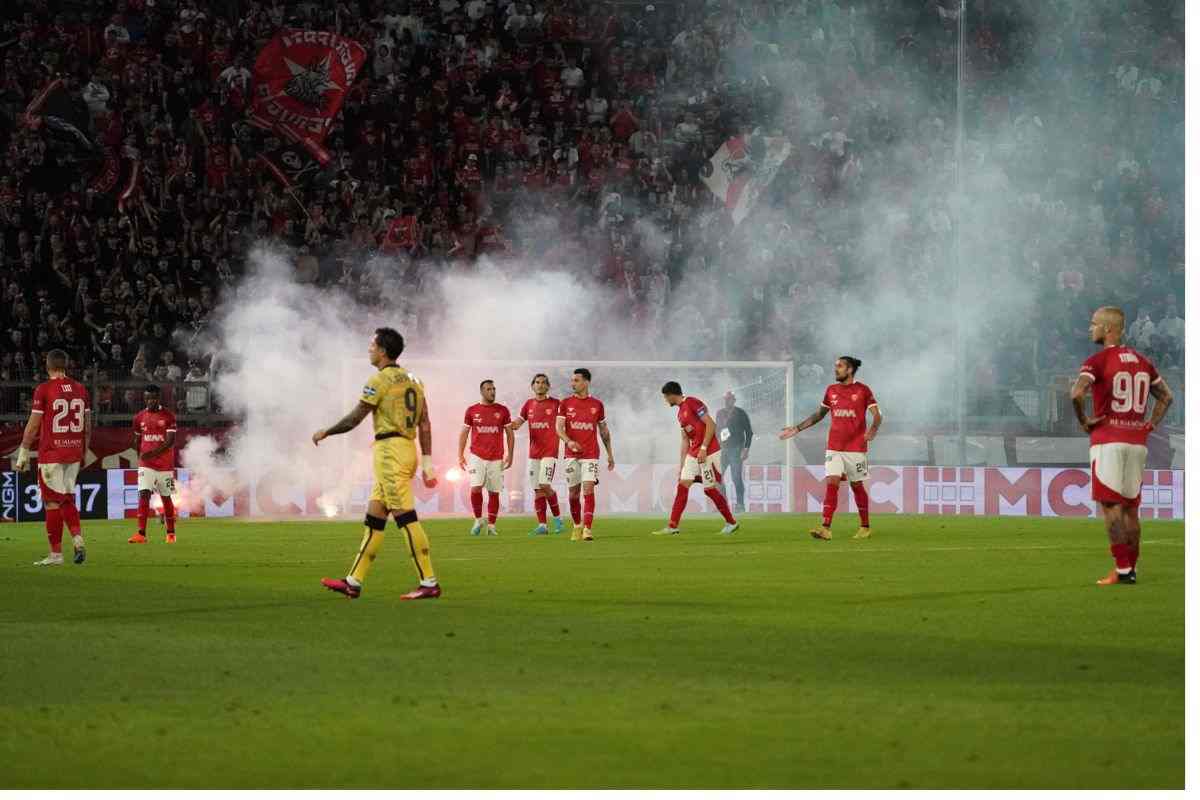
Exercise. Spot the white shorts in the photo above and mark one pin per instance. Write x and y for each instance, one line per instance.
(582, 470)
(541, 471)
(840, 463)
(1117, 472)
(709, 472)
(488, 474)
(59, 479)
(160, 482)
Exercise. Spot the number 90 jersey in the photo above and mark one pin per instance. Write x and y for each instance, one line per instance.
(398, 399)
(63, 405)
(1121, 380)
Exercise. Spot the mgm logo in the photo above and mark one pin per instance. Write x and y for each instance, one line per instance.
(8, 497)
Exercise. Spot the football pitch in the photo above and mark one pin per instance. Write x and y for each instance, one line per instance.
(943, 652)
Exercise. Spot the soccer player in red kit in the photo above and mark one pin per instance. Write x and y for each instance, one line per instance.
(154, 441)
(580, 418)
(846, 451)
(699, 458)
(1122, 380)
(541, 412)
(61, 420)
(487, 423)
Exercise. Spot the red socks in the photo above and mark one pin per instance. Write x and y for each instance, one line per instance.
(477, 501)
(143, 512)
(1121, 554)
(493, 507)
(552, 501)
(1135, 550)
(718, 500)
(539, 507)
(169, 514)
(681, 498)
(70, 515)
(54, 528)
(589, 509)
(863, 502)
(574, 501)
(831, 500)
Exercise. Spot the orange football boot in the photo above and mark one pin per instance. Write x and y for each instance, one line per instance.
(137, 538)
(170, 538)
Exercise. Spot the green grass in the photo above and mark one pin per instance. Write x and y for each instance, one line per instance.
(952, 652)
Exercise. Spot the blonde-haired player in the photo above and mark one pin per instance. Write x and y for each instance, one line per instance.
(396, 401)
(1122, 380)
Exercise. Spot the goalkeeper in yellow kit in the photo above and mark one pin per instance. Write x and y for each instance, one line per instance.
(396, 401)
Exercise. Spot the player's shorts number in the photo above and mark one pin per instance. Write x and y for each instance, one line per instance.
(583, 470)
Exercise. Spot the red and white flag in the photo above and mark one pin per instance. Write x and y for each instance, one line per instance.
(300, 81)
(738, 173)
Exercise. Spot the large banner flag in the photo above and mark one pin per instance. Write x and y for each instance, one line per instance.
(300, 81)
(742, 168)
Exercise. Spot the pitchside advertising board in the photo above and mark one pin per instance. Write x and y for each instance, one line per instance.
(637, 489)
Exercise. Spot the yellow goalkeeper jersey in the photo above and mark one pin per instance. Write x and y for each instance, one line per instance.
(398, 400)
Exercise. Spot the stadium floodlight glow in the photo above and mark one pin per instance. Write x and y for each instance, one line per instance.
(454, 475)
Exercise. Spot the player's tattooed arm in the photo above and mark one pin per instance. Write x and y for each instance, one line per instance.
(877, 420)
(346, 423)
(1163, 397)
(607, 439)
(425, 432)
(1078, 393)
(807, 422)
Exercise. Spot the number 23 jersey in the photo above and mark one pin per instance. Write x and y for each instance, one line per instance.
(1121, 380)
(398, 399)
(63, 405)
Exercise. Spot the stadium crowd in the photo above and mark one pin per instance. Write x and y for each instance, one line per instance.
(578, 134)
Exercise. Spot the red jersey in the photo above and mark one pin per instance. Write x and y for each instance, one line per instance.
(62, 404)
(848, 402)
(692, 414)
(540, 415)
(582, 416)
(487, 423)
(1121, 380)
(154, 427)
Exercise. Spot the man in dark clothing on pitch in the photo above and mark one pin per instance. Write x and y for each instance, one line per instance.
(733, 426)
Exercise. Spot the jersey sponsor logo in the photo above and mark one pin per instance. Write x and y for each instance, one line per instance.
(844, 412)
(369, 391)
(67, 388)
(540, 426)
(582, 426)
(487, 428)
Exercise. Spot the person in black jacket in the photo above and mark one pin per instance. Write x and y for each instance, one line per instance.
(733, 426)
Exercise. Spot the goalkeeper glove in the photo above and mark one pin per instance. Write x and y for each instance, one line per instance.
(22, 460)
(427, 474)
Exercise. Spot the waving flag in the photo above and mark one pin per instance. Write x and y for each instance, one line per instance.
(300, 81)
(741, 170)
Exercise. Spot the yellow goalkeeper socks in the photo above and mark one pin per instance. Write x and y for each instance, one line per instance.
(371, 542)
(418, 546)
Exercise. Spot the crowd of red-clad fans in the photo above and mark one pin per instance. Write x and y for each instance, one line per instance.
(578, 135)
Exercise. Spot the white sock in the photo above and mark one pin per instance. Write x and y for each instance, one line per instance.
(77, 540)
(350, 579)
(429, 582)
